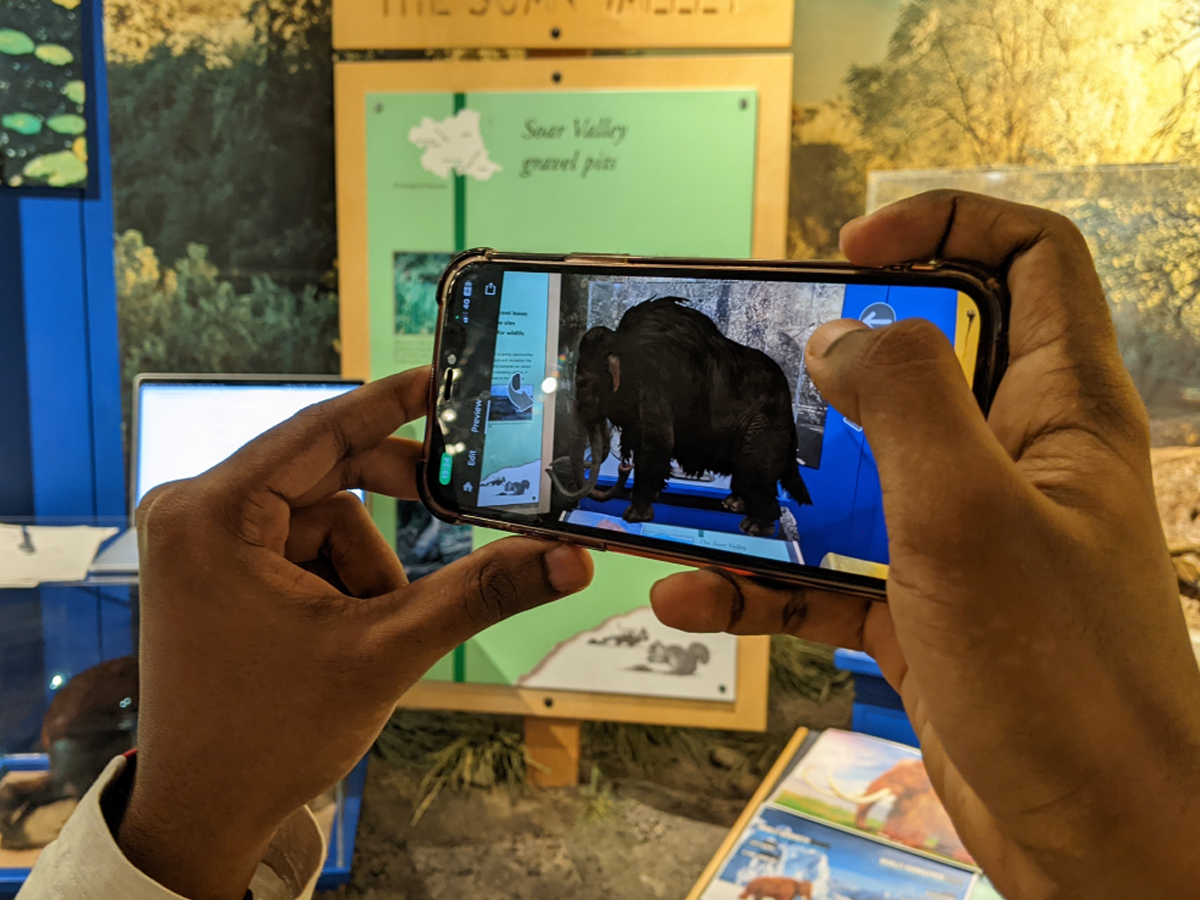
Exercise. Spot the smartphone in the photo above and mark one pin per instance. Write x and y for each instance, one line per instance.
(662, 407)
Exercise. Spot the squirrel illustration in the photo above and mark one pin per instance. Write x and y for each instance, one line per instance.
(679, 660)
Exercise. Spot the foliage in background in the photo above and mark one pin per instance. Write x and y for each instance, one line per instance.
(133, 29)
(1014, 82)
(415, 280)
(1055, 86)
(231, 150)
(222, 145)
(1149, 263)
(188, 319)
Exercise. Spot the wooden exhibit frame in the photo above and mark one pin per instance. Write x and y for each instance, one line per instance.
(770, 75)
(562, 24)
(748, 712)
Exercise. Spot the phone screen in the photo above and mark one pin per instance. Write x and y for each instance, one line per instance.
(675, 413)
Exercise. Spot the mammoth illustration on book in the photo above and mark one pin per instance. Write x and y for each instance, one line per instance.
(916, 818)
(680, 390)
(91, 719)
(776, 888)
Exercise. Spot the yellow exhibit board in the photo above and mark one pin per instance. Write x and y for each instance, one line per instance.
(681, 156)
(561, 24)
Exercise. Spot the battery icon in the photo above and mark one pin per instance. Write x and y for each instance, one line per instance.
(444, 469)
(467, 289)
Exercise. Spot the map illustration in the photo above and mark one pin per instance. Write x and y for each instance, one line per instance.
(453, 145)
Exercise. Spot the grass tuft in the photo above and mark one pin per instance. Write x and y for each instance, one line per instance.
(599, 797)
(454, 751)
(644, 747)
(804, 668)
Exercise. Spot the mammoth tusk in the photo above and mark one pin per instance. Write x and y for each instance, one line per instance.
(553, 477)
(589, 484)
(835, 791)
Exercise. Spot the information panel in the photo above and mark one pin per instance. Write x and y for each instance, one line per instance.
(685, 156)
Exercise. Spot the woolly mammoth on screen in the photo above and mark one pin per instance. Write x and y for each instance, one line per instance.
(669, 408)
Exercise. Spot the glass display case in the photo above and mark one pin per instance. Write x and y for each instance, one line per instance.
(69, 702)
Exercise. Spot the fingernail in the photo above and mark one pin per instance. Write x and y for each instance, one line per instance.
(828, 334)
(566, 568)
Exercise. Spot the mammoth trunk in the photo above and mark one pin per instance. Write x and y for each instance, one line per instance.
(598, 444)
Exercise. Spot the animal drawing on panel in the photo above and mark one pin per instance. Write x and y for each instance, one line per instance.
(673, 659)
(627, 637)
(678, 389)
(916, 817)
(506, 487)
(773, 887)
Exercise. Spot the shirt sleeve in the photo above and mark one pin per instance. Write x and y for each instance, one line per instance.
(85, 863)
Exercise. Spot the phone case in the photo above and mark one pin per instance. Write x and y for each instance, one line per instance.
(983, 286)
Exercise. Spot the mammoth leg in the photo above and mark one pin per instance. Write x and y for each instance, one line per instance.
(737, 489)
(651, 459)
(762, 506)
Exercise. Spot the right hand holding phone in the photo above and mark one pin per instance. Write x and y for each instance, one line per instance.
(1032, 627)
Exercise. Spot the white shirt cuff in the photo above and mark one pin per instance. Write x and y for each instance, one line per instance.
(85, 863)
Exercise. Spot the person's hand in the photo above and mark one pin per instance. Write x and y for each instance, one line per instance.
(1033, 627)
(278, 631)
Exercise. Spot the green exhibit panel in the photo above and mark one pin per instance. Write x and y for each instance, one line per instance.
(605, 637)
(661, 173)
(647, 172)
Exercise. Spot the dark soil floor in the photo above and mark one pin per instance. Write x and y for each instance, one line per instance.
(642, 827)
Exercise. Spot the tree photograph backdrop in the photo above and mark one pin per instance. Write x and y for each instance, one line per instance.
(222, 130)
(1089, 107)
(222, 144)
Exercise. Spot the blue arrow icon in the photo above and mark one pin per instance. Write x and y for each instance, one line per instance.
(877, 315)
(518, 395)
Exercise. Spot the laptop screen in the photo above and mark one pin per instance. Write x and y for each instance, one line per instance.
(187, 427)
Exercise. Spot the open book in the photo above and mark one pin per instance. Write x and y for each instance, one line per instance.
(845, 817)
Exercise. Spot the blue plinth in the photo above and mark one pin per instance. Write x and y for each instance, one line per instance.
(877, 708)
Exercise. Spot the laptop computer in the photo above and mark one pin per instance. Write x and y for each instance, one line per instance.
(182, 425)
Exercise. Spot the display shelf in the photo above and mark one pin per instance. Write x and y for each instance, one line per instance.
(120, 523)
(55, 631)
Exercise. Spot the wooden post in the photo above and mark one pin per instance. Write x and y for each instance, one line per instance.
(553, 746)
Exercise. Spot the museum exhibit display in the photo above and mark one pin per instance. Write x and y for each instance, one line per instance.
(271, 190)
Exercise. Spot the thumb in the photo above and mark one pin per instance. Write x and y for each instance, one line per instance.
(905, 386)
(497, 581)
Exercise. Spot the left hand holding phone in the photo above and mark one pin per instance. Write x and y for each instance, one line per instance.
(278, 630)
